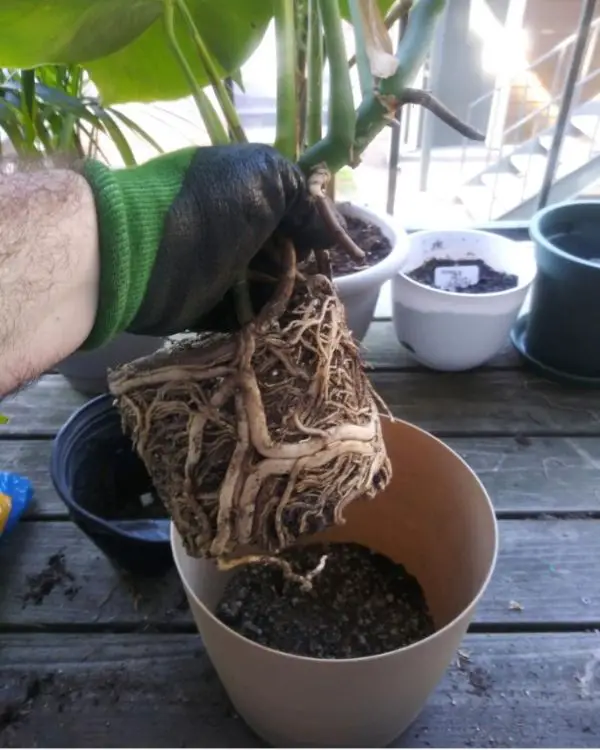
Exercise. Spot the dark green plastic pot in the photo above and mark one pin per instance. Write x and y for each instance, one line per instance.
(563, 325)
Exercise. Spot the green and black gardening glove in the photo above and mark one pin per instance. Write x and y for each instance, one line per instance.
(175, 232)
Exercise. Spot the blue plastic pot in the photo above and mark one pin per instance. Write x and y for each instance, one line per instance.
(94, 467)
(563, 326)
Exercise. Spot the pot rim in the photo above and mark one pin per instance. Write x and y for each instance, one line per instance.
(528, 279)
(472, 604)
(540, 239)
(387, 267)
(60, 484)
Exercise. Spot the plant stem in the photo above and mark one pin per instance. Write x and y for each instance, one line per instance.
(314, 104)
(395, 13)
(376, 109)
(28, 107)
(219, 88)
(286, 140)
(301, 21)
(365, 78)
(342, 117)
(426, 100)
(214, 126)
(414, 46)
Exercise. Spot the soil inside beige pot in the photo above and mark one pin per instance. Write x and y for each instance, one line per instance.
(359, 603)
(434, 518)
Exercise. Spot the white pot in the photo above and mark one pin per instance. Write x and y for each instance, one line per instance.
(453, 330)
(360, 291)
(86, 371)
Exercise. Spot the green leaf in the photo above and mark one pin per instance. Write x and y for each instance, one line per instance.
(123, 44)
(135, 128)
(69, 31)
(10, 123)
(112, 129)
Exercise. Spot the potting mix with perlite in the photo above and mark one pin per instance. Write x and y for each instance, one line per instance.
(469, 276)
(360, 604)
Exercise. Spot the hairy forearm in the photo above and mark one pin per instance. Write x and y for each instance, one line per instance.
(49, 271)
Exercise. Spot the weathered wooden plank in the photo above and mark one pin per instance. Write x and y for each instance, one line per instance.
(92, 591)
(150, 690)
(506, 401)
(41, 408)
(489, 402)
(551, 568)
(547, 475)
(550, 475)
(381, 350)
(31, 458)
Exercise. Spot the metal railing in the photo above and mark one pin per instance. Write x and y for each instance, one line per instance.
(555, 90)
(573, 58)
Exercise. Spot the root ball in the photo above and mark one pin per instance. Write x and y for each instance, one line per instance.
(257, 437)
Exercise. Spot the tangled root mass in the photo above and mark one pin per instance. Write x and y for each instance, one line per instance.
(257, 437)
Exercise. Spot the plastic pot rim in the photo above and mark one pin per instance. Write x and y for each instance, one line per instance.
(60, 485)
(417, 644)
(387, 267)
(536, 234)
(527, 280)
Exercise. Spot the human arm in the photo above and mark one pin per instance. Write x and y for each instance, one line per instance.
(49, 271)
(152, 249)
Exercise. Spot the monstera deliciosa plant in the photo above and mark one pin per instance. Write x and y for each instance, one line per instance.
(258, 436)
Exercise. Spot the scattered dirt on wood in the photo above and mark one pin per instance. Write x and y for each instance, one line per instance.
(361, 604)
(479, 678)
(523, 440)
(490, 280)
(54, 574)
(12, 713)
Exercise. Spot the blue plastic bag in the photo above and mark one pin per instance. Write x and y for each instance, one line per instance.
(15, 495)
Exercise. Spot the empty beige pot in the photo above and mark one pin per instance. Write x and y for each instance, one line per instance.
(437, 520)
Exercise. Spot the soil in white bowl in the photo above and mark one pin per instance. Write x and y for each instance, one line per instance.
(468, 276)
(360, 604)
(371, 240)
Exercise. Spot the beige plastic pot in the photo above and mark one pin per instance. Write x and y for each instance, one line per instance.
(437, 520)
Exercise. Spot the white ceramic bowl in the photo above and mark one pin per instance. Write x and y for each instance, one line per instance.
(452, 330)
(360, 291)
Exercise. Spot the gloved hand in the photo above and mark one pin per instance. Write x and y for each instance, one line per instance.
(175, 232)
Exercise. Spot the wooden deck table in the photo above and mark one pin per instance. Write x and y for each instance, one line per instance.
(111, 661)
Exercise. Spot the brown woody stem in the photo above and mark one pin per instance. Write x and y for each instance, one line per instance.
(317, 186)
(428, 101)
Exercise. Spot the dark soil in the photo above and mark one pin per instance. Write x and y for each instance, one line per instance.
(371, 241)
(361, 604)
(489, 279)
(54, 574)
(112, 483)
